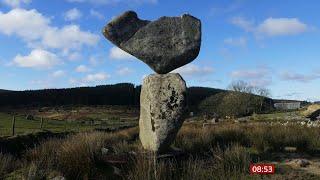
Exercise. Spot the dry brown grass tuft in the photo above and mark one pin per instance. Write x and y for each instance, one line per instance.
(8, 163)
(260, 137)
(231, 163)
(76, 156)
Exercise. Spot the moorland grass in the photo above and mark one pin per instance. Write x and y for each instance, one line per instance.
(219, 152)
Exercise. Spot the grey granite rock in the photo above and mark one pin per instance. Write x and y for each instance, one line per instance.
(165, 44)
(123, 27)
(163, 103)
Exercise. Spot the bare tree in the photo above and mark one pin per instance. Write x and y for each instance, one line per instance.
(241, 86)
(262, 91)
(244, 87)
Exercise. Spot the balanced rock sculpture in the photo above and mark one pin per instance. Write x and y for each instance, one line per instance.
(164, 45)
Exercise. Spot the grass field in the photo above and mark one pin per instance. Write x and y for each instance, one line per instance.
(60, 120)
(278, 116)
(222, 151)
(24, 126)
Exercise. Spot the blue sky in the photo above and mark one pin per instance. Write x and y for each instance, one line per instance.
(58, 44)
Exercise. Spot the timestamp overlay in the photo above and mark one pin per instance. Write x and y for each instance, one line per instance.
(262, 168)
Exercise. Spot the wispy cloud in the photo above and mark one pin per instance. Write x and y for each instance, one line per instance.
(272, 26)
(96, 77)
(258, 77)
(15, 3)
(82, 69)
(245, 24)
(73, 56)
(72, 14)
(304, 78)
(58, 74)
(41, 83)
(124, 71)
(251, 73)
(96, 14)
(106, 2)
(90, 79)
(194, 70)
(119, 54)
(240, 41)
(97, 59)
(229, 8)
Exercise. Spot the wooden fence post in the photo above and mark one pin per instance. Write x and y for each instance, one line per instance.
(41, 123)
(13, 124)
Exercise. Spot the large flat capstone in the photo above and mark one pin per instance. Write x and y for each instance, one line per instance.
(162, 107)
(164, 44)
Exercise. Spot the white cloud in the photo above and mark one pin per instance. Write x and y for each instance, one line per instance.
(94, 60)
(72, 14)
(272, 26)
(35, 29)
(68, 37)
(97, 59)
(250, 74)
(192, 70)
(15, 3)
(241, 41)
(3, 62)
(97, 77)
(43, 84)
(230, 7)
(27, 24)
(76, 82)
(281, 26)
(58, 73)
(292, 76)
(82, 69)
(89, 79)
(243, 23)
(74, 56)
(124, 71)
(96, 14)
(118, 54)
(38, 58)
(258, 77)
(260, 82)
(106, 2)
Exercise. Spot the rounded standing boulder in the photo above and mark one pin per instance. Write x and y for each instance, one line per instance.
(162, 108)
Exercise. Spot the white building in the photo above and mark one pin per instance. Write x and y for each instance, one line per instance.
(287, 105)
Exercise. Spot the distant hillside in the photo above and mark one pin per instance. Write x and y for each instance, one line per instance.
(3, 91)
(197, 94)
(117, 94)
